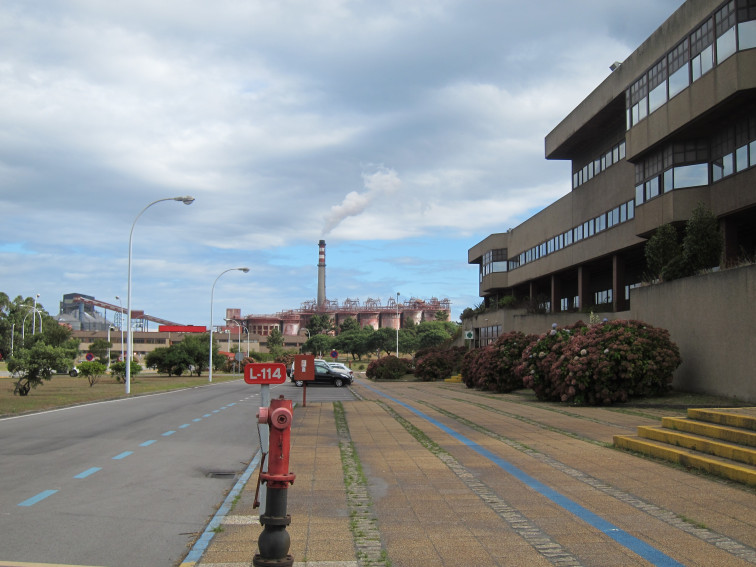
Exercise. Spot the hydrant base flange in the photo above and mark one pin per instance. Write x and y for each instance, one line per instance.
(275, 520)
(259, 561)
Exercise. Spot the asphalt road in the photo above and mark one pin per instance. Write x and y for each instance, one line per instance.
(127, 482)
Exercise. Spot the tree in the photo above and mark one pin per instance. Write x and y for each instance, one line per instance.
(100, 348)
(442, 316)
(349, 324)
(320, 323)
(275, 341)
(318, 344)
(408, 341)
(30, 366)
(383, 339)
(661, 249)
(92, 371)
(702, 245)
(354, 342)
(196, 348)
(118, 370)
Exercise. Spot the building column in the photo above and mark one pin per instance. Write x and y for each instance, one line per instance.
(619, 303)
(556, 294)
(584, 286)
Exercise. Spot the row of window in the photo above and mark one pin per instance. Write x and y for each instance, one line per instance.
(731, 28)
(653, 179)
(604, 221)
(496, 260)
(596, 166)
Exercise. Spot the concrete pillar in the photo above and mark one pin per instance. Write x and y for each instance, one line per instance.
(556, 294)
(584, 287)
(618, 284)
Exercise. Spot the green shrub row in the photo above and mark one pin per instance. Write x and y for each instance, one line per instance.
(388, 368)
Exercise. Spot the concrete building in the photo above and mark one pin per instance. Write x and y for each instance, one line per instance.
(672, 126)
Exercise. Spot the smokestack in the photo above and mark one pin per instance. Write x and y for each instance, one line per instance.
(321, 276)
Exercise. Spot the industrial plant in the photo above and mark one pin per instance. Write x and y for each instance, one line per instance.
(246, 332)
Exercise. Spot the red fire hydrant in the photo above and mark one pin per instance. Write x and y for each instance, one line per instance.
(274, 541)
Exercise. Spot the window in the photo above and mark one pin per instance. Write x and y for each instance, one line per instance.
(747, 35)
(701, 50)
(725, 29)
(677, 65)
(691, 175)
(657, 83)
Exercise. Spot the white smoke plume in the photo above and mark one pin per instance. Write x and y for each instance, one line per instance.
(379, 184)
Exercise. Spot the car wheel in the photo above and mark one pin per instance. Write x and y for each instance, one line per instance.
(73, 373)
(298, 383)
(338, 382)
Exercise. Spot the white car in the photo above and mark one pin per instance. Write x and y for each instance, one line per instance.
(339, 367)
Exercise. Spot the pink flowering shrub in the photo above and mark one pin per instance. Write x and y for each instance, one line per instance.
(492, 367)
(540, 356)
(600, 364)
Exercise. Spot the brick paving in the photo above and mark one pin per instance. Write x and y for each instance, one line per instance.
(379, 485)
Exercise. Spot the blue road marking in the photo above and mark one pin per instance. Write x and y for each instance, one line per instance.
(216, 410)
(168, 433)
(649, 553)
(88, 472)
(123, 455)
(232, 404)
(147, 443)
(197, 419)
(34, 499)
(206, 415)
(184, 426)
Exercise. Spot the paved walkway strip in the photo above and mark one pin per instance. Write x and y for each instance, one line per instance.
(721, 541)
(637, 546)
(367, 537)
(520, 524)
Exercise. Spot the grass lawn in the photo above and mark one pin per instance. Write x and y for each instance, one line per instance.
(65, 391)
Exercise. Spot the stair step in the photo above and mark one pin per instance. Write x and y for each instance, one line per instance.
(686, 457)
(703, 444)
(713, 430)
(745, 418)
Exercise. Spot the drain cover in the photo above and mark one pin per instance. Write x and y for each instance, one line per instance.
(221, 474)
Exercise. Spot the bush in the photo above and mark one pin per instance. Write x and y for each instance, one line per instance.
(600, 364)
(539, 357)
(439, 364)
(388, 368)
(493, 367)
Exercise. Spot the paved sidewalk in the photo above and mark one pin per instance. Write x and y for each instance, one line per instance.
(379, 484)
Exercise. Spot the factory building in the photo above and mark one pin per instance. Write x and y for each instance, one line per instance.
(372, 313)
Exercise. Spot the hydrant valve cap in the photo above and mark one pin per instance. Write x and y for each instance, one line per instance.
(281, 418)
(262, 416)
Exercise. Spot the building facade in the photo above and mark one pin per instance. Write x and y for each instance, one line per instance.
(672, 126)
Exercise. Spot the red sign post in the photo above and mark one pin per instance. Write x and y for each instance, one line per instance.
(265, 373)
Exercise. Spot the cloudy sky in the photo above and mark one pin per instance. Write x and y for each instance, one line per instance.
(401, 132)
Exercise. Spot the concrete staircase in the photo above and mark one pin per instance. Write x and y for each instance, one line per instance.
(719, 441)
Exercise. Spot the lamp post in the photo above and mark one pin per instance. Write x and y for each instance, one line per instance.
(121, 325)
(13, 331)
(34, 319)
(238, 343)
(130, 347)
(109, 329)
(212, 291)
(397, 324)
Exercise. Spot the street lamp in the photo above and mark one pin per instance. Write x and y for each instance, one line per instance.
(120, 324)
(34, 319)
(130, 347)
(238, 344)
(212, 291)
(397, 324)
